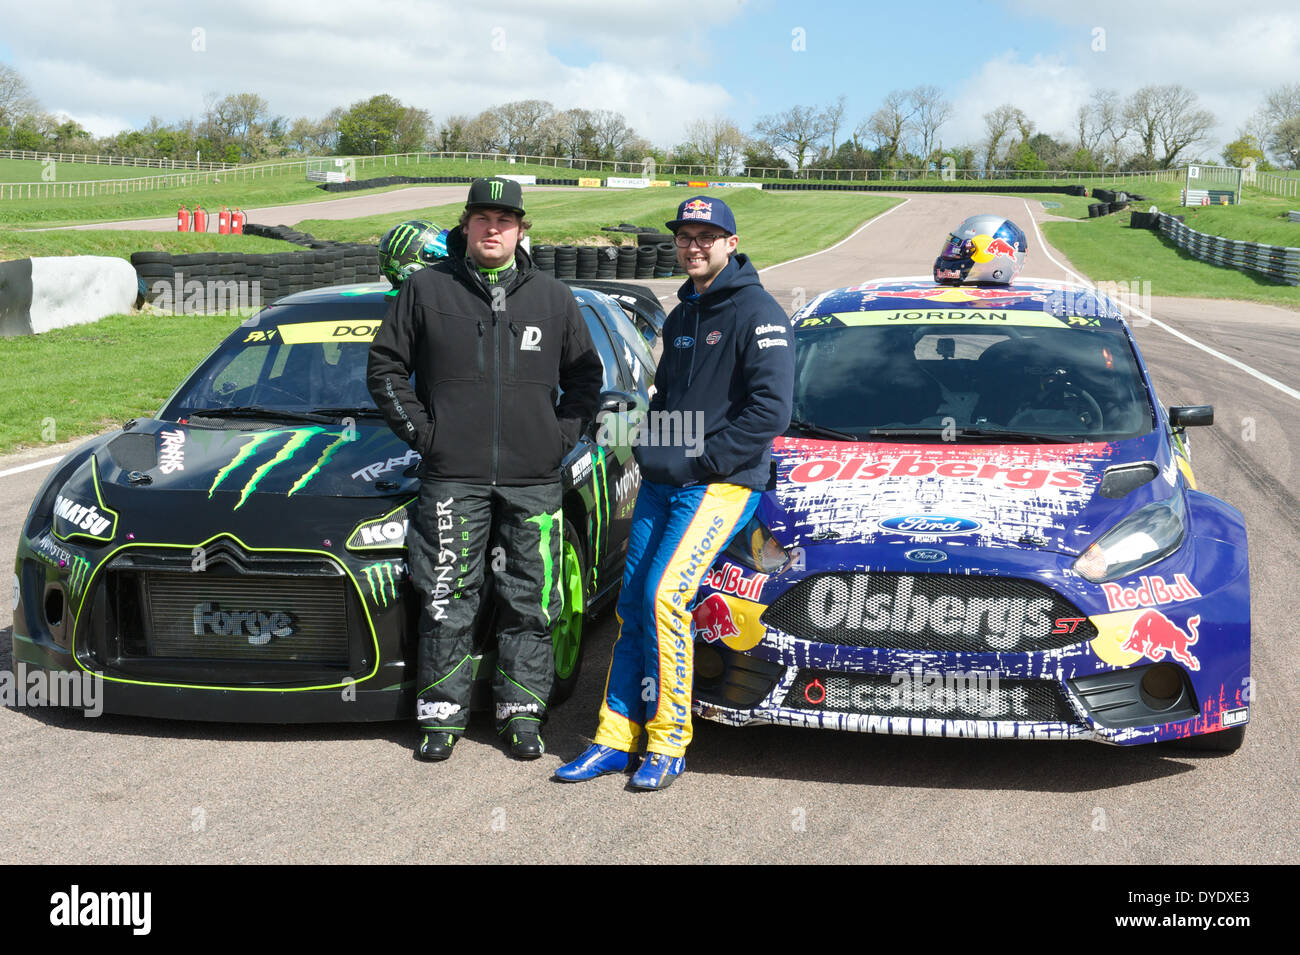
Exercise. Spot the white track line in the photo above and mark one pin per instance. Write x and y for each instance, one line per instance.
(30, 467)
(1254, 373)
(875, 218)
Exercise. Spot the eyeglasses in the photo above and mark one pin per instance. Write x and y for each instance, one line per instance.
(705, 242)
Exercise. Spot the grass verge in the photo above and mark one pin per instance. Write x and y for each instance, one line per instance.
(1107, 250)
(773, 226)
(74, 382)
(19, 244)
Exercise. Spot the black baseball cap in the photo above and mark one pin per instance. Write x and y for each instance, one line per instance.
(496, 193)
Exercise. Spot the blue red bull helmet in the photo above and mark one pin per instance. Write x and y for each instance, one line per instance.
(984, 248)
(409, 247)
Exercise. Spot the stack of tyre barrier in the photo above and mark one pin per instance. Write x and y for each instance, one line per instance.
(650, 261)
(1293, 216)
(376, 183)
(1111, 201)
(1279, 263)
(218, 281)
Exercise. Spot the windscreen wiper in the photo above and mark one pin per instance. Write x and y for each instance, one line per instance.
(971, 432)
(807, 427)
(354, 411)
(256, 411)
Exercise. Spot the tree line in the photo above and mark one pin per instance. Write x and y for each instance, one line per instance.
(1157, 126)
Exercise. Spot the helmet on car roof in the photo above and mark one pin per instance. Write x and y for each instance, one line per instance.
(984, 248)
(409, 247)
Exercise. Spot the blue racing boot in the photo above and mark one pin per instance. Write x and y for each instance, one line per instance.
(658, 771)
(598, 760)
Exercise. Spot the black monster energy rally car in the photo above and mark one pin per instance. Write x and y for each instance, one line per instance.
(241, 555)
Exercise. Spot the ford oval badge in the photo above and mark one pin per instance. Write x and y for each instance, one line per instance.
(917, 524)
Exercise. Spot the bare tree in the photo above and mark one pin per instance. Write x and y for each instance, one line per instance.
(794, 132)
(1285, 142)
(998, 124)
(611, 132)
(521, 124)
(16, 99)
(891, 123)
(482, 134)
(1108, 120)
(718, 141)
(574, 133)
(930, 111)
(833, 119)
(1281, 108)
(1165, 119)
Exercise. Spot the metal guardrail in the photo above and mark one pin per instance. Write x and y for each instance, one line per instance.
(1279, 263)
(154, 163)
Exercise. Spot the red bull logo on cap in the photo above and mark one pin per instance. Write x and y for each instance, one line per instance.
(697, 209)
(713, 621)
(1154, 635)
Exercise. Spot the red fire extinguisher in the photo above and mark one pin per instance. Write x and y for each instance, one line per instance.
(223, 221)
(183, 219)
(237, 219)
(200, 219)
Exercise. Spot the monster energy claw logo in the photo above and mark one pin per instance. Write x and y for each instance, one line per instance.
(298, 438)
(77, 572)
(545, 523)
(383, 578)
(494, 188)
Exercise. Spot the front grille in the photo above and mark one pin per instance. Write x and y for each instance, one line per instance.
(261, 618)
(224, 615)
(951, 613)
(970, 695)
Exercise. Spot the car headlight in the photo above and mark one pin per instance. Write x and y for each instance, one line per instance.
(1142, 538)
(756, 548)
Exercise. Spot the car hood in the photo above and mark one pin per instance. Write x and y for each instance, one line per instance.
(231, 466)
(1047, 496)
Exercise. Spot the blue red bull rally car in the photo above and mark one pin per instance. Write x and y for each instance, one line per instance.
(983, 524)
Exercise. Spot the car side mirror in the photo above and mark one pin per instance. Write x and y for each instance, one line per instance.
(614, 402)
(1187, 416)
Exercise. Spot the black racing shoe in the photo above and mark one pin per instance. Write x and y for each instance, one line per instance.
(435, 747)
(526, 745)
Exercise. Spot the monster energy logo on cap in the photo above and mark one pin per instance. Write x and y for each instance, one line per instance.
(497, 193)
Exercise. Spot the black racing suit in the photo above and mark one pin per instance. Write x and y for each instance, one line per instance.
(489, 352)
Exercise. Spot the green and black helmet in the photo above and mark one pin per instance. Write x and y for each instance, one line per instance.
(409, 247)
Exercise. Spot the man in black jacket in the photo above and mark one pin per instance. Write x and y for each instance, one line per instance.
(727, 370)
(489, 340)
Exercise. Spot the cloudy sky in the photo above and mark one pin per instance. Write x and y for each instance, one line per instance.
(112, 64)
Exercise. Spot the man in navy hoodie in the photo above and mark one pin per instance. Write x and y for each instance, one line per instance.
(727, 373)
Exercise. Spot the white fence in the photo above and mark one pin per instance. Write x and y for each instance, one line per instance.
(113, 160)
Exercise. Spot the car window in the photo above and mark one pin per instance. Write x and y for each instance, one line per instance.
(637, 357)
(613, 378)
(1062, 381)
(277, 375)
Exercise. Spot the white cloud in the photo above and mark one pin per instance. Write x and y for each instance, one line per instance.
(117, 60)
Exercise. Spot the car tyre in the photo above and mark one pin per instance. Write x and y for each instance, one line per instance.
(567, 635)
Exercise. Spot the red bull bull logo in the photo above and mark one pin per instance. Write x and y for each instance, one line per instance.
(1154, 635)
(1000, 247)
(713, 621)
(697, 209)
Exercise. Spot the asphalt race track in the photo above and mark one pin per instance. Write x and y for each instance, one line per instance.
(110, 789)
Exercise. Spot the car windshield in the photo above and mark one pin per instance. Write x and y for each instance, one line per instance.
(864, 379)
(277, 375)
